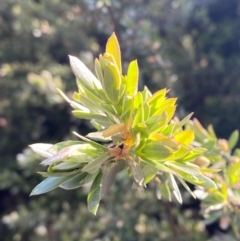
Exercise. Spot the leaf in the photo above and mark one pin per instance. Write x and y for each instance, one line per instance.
(146, 93)
(170, 110)
(175, 188)
(139, 117)
(112, 82)
(185, 137)
(233, 139)
(127, 104)
(43, 149)
(95, 164)
(199, 180)
(212, 132)
(136, 172)
(63, 153)
(164, 191)
(76, 153)
(96, 125)
(113, 48)
(191, 155)
(199, 130)
(149, 173)
(89, 115)
(86, 77)
(233, 173)
(92, 106)
(66, 165)
(178, 154)
(142, 114)
(74, 182)
(113, 130)
(98, 70)
(109, 177)
(184, 121)
(187, 168)
(109, 109)
(214, 198)
(158, 165)
(156, 123)
(186, 186)
(143, 129)
(156, 100)
(132, 78)
(98, 136)
(209, 144)
(137, 100)
(49, 184)
(94, 194)
(156, 151)
(93, 143)
(57, 174)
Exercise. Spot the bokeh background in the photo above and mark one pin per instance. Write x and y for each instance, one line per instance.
(189, 46)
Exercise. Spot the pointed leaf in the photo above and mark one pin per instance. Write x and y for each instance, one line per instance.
(89, 115)
(136, 172)
(186, 186)
(149, 173)
(233, 139)
(109, 177)
(93, 143)
(98, 136)
(95, 164)
(98, 70)
(74, 182)
(165, 191)
(113, 130)
(112, 82)
(175, 188)
(185, 137)
(114, 49)
(95, 194)
(66, 165)
(132, 78)
(49, 184)
(156, 151)
(61, 154)
(184, 121)
(86, 77)
(43, 149)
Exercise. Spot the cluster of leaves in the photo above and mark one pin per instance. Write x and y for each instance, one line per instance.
(221, 202)
(138, 129)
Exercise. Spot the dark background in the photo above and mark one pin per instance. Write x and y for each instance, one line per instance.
(189, 46)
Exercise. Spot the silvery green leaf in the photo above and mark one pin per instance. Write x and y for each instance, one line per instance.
(49, 184)
(95, 194)
(175, 188)
(97, 136)
(86, 77)
(43, 149)
(186, 186)
(61, 154)
(149, 173)
(92, 166)
(110, 175)
(66, 165)
(93, 143)
(74, 182)
(136, 172)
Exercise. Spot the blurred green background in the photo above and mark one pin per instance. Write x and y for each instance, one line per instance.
(189, 46)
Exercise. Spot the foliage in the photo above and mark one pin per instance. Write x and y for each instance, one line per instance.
(143, 137)
(189, 46)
